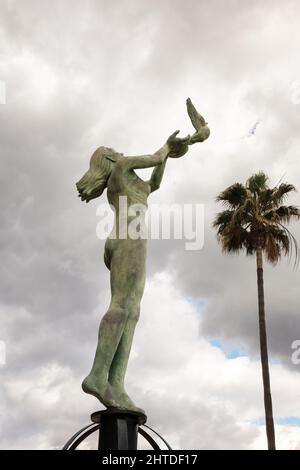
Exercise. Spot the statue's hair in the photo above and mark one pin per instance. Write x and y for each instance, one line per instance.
(94, 181)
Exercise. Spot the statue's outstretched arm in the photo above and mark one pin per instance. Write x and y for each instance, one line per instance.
(174, 147)
(145, 161)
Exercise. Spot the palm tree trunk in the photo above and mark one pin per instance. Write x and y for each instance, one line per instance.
(264, 352)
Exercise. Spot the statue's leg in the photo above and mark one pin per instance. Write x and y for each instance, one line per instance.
(110, 332)
(118, 367)
(127, 284)
(136, 251)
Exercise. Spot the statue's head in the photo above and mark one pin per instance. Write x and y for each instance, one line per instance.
(94, 181)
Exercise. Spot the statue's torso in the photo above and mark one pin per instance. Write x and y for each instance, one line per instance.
(127, 183)
(125, 190)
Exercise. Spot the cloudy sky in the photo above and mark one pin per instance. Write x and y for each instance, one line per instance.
(75, 75)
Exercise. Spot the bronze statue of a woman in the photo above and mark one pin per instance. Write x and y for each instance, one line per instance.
(125, 257)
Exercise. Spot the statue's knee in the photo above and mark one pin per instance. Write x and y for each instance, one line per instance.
(135, 314)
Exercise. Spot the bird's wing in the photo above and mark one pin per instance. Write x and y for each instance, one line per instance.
(253, 129)
(197, 120)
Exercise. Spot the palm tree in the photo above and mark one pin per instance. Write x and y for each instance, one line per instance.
(255, 220)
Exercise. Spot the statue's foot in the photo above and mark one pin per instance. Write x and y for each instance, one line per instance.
(99, 389)
(123, 401)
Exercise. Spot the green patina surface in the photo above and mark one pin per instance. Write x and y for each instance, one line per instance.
(125, 258)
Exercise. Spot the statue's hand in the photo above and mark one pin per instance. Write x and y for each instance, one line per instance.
(177, 147)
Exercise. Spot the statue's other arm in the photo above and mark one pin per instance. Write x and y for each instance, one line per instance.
(177, 148)
(157, 176)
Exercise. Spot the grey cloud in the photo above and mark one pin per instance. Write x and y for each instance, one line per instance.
(120, 73)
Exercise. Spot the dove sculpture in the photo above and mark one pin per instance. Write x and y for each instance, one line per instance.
(202, 131)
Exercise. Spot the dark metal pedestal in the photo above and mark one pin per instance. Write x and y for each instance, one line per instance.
(119, 429)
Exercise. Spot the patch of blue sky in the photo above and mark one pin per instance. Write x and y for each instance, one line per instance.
(281, 420)
(231, 352)
(198, 302)
(288, 420)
